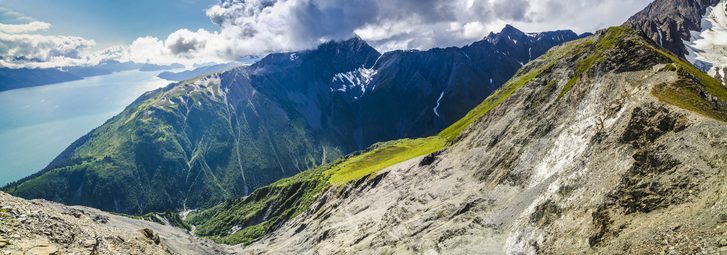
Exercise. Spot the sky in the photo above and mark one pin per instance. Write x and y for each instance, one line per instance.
(111, 22)
(52, 33)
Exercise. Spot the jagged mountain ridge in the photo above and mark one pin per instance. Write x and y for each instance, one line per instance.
(528, 46)
(198, 142)
(459, 73)
(604, 145)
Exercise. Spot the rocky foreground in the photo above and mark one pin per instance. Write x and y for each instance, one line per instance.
(42, 227)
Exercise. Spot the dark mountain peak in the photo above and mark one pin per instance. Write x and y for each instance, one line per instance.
(490, 35)
(508, 32)
(524, 47)
(509, 29)
(352, 52)
(357, 38)
(352, 47)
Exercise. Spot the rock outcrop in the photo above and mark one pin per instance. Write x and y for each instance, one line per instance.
(40, 227)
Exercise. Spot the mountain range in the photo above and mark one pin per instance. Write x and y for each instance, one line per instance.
(14, 78)
(606, 143)
(202, 141)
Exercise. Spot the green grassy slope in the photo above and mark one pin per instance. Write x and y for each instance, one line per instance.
(695, 91)
(180, 147)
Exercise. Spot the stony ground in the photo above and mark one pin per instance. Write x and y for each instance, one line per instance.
(42, 227)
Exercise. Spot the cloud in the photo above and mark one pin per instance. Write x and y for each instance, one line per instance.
(185, 42)
(513, 9)
(254, 27)
(23, 28)
(183, 46)
(579, 15)
(10, 16)
(20, 49)
(119, 53)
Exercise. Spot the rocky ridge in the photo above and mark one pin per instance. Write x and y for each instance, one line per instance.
(40, 227)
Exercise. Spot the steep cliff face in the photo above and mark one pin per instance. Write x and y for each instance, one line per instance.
(424, 92)
(604, 145)
(199, 142)
(670, 23)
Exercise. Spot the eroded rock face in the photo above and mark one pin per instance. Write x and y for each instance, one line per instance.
(604, 167)
(43, 228)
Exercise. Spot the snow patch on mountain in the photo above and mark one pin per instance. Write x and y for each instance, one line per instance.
(708, 48)
(436, 108)
(354, 81)
(661, 37)
(530, 53)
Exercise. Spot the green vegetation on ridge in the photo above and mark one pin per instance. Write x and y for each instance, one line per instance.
(608, 41)
(260, 212)
(689, 92)
(382, 155)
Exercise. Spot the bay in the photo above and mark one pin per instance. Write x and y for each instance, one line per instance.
(38, 123)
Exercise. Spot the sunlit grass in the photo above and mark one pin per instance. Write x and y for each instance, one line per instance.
(383, 155)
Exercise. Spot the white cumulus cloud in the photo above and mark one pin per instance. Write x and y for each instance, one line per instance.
(19, 48)
(23, 28)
